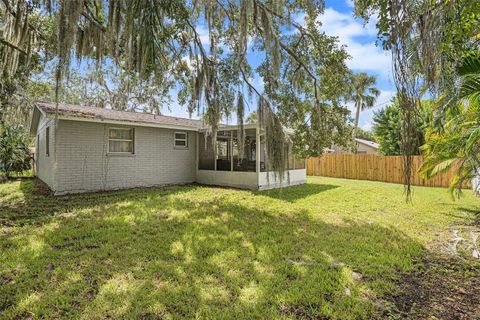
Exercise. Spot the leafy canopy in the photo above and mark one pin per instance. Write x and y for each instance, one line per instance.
(387, 127)
(428, 40)
(14, 155)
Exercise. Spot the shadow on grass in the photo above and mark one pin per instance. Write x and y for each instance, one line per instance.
(475, 212)
(184, 252)
(39, 205)
(295, 193)
(468, 216)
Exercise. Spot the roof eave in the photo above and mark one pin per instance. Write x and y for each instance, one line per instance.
(129, 123)
(236, 126)
(37, 112)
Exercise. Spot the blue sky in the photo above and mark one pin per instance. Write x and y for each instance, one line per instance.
(338, 21)
(360, 39)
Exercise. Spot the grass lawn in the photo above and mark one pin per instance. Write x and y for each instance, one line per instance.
(332, 248)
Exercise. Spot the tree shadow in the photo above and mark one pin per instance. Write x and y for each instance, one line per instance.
(182, 252)
(298, 192)
(38, 205)
(468, 215)
(476, 214)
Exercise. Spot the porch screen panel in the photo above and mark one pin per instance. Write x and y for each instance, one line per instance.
(299, 163)
(206, 159)
(248, 163)
(223, 153)
(262, 154)
(290, 159)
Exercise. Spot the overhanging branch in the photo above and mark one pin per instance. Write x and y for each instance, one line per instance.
(11, 45)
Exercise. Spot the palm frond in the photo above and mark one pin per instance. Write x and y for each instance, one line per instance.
(470, 87)
(430, 169)
(470, 65)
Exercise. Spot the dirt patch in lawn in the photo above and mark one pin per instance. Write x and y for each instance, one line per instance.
(41, 188)
(444, 288)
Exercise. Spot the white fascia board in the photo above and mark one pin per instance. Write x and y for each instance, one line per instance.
(127, 123)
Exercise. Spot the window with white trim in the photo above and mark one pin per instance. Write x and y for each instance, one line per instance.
(121, 140)
(181, 140)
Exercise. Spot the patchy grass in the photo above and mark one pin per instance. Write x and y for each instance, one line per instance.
(332, 248)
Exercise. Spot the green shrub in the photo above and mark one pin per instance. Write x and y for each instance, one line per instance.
(14, 153)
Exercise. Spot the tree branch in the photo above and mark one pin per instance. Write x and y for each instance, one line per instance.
(13, 13)
(251, 86)
(298, 60)
(302, 30)
(88, 14)
(11, 45)
(198, 41)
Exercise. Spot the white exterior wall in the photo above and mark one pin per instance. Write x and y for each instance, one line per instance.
(45, 165)
(236, 179)
(250, 180)
(291, 178)
(83, 162)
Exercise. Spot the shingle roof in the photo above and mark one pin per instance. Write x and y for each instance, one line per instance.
(94, 113)
(368, 143)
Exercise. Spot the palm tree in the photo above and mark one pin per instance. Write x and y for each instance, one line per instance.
(457, 144)
(364, 94)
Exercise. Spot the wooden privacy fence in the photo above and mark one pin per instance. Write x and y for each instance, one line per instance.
(371, 167)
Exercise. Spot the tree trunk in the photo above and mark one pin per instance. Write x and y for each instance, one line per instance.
(357, 117)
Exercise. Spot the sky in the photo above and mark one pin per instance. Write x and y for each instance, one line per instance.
(360, 40)
(338, 21)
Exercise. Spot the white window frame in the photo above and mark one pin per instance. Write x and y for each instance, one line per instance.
(113, 139)
(185, 139)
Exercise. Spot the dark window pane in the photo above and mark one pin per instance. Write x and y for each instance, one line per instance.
(47, 141)
(120, 146)
(124, 134)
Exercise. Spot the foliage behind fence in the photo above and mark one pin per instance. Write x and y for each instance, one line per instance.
(371, 167)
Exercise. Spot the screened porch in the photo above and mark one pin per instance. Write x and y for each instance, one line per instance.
(222, 163)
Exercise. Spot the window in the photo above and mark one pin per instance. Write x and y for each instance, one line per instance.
(181, 139)
(120, 140)
(47, 141)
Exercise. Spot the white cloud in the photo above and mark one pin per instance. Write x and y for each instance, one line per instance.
(360, 42)
(344, 25)
(350, 3)
(367, 126)
(204, 35)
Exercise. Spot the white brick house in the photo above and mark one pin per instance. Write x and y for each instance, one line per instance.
(82, 149)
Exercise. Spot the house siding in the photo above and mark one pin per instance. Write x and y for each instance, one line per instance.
(45, 164)
(365, 149)
(85, 165)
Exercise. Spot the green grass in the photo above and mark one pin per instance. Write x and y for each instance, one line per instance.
(204, 252)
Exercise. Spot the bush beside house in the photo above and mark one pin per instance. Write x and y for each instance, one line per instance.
(15, 156)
